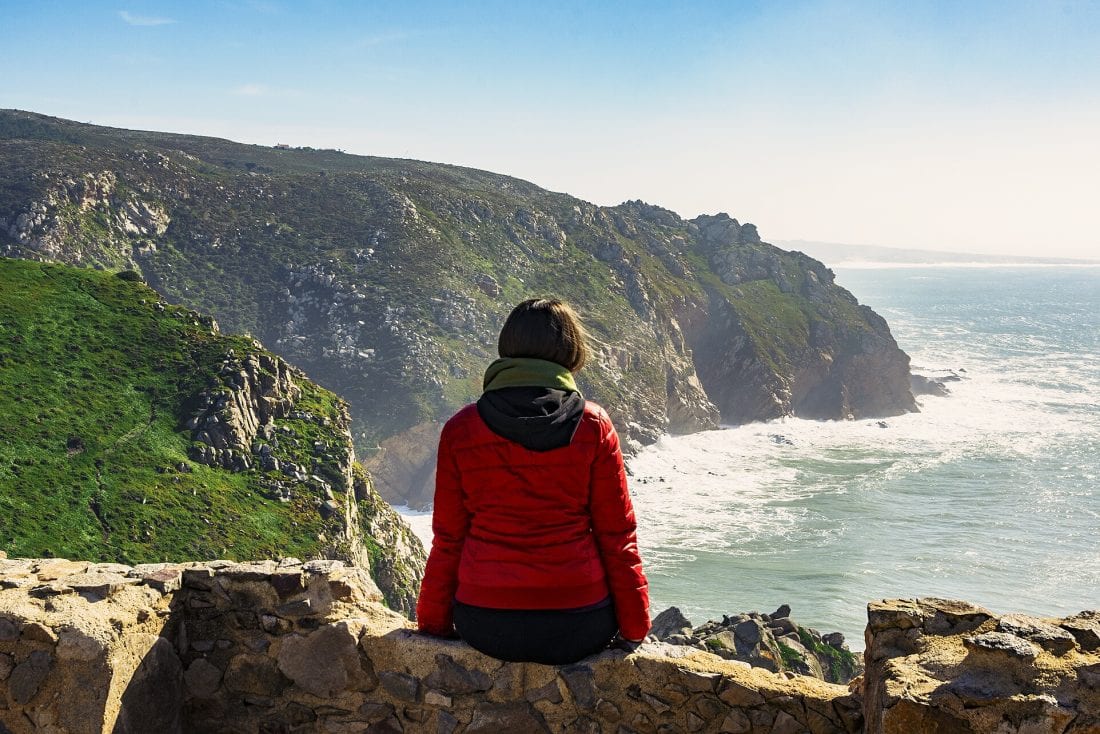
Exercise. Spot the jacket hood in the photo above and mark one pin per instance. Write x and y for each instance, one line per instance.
(537, 418)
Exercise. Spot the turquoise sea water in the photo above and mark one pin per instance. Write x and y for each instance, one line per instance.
(991, 494)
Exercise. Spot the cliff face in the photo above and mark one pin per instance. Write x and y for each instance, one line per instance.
(388, 280)
(286, 646)
(135, 431)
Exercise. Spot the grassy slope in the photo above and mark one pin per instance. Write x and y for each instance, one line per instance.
(94, 380)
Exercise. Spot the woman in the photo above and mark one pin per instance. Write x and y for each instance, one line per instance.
(535, 556)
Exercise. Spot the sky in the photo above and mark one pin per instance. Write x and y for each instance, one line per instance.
(958, 126)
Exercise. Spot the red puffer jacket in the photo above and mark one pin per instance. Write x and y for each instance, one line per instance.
(522, 529)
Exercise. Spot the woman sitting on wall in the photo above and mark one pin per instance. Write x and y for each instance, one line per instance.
(535, 556)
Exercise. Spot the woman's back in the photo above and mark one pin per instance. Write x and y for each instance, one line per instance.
(530, 539)
(534, 555)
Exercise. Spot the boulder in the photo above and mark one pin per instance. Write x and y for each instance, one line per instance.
(670, 622)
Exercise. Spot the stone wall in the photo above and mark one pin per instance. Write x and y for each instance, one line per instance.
(285, 647)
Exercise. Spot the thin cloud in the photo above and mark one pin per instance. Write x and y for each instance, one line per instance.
(143, 20)
(379, 39)
(252, 90)
(263, 90)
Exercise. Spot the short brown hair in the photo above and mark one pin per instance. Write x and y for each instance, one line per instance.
(545, 328)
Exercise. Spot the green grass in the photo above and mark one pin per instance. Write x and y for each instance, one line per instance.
(715, 644)
(842, 665)
(95, 377)
(788, 655)
(774, 320)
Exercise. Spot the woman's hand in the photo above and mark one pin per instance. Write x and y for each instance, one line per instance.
(621, 643)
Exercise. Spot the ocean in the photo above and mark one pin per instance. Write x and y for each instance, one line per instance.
(991, 494)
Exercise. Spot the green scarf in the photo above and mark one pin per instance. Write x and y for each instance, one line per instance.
(527, 372)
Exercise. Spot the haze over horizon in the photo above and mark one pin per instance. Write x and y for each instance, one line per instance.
(941, 127)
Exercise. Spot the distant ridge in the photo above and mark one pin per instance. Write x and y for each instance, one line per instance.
(836, 253)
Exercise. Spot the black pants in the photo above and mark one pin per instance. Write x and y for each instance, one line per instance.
(549, 636)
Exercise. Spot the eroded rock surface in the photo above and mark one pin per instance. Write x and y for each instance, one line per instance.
(936, 665)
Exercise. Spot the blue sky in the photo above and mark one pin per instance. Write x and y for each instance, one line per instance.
(966, 126)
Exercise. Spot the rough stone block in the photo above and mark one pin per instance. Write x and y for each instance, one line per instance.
(324, 662)
(893, 614)
(580, 681)
(99, 585)
(203, 679)
(951, 616)
(786, 724)
(25, 678)
(738, 696)
(256, 571)
(450, 677)
(287, 582)
(298, 608)
(701, 682)
(46, 591)
(201, 578)
(736, 722)
(322, 567)
(551, 693)
(373, 712)
(908, 717)
(75, 644)
(400, 685)
(435, 698)
(53, 570)
(275, 625)
(1047, 636)
(608, 711)
(164, 580)
(1003, 643)
(255, 674)
(1085, 630)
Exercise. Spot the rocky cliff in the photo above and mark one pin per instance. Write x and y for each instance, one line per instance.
(387, 280)
(135, 431)
(292, 647)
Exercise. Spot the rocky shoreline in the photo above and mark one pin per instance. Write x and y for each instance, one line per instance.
(770, 641)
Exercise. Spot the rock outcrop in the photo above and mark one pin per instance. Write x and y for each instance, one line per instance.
(773, 641)
(306, 647)
(254, 392)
